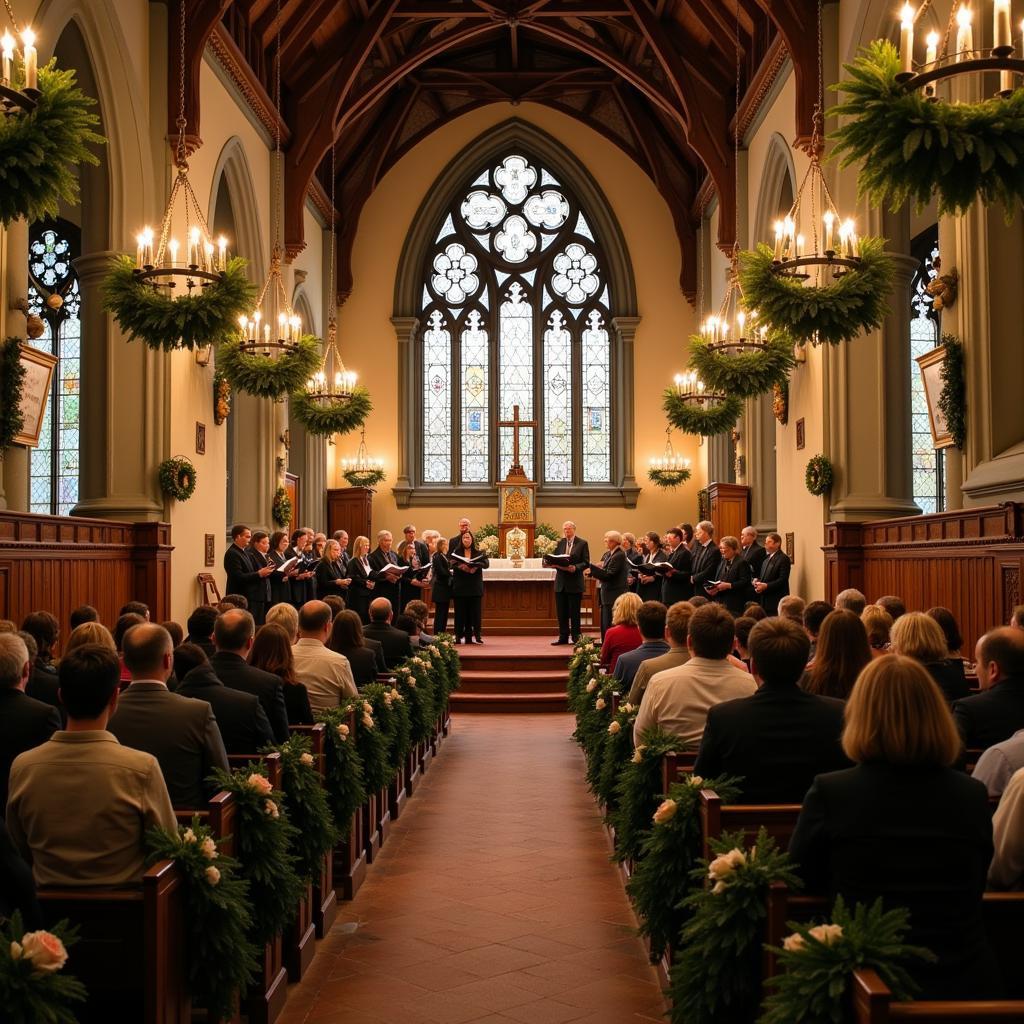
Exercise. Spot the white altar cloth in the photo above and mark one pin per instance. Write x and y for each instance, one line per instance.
(532, 569)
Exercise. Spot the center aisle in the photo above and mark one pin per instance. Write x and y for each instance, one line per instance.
(492, 902)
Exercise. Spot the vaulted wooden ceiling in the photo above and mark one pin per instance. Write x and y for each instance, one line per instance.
(657, 78)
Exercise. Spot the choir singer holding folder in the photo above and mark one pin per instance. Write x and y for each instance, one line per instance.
(613, 572)
(468, 565)
(570, 558)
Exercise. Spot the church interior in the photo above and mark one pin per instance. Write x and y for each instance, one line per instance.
(384, 383)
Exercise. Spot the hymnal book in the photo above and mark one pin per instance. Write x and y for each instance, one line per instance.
(556, 560)
(421, 573)
(652, 568)
(479, 560)
(711, 583)
(288, 564)
(392, 570)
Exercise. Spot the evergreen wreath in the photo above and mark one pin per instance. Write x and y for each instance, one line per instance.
(12, 380)
(264, 839)
(364, 477)
(335, 418)
(177, 478)
(819, 963)
(41, 150)
(267, 376)
(32, 989)
(667, 479)
(346, 791)
(911, 148)
(281, 508)
(818, 475)
(207, 317)
(745, 374)
(952, 403)
(696, 419)
(829, 313)
(716, 975)
(222, 959)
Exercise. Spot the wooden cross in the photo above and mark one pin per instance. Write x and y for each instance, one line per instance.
(516, 423)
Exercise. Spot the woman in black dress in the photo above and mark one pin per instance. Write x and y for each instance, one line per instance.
(331, 577)
(280, 582)
(272, 651)
(347, 638)
(468, 591)
(441, 586)
(360, 591)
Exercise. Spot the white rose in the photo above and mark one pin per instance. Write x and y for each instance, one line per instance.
(271, 808)
(260, 783)
(368, 721)
(600, 705)
(208, 848)
(724, 865)
(212, 875)
(367, 707)
(307, 759)
(412, 681)
(827, 934)
(614, 728)
(44, 950)
(343, 732)
(592, 686)
(16, 951)
(794, 943)
(188, 836)
(696, 781)
(627, 708)
(665, 812)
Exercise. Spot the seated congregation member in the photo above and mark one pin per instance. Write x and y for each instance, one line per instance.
(893, 605)
(90, 633)
(418, 610)
(387, 586)
(360, 592)
(81, 803)
(1007, 868)
(180, 732)
(280, 582)
(649, 587)
(44, 630)
(677, 619)
(285, 616)
(229, 602)
(135, 608)
(24, 722)
(996, 713)
(650, 621)
(612, 577)
(245, 577)
(733, 576)
(233, 635)
(851, 600)
(396, 644)
(742, 628)
(792, 607)
(677, 700)
(918, 636)
(624, 633)
(347, 639)
(777, 740)
(441, 585)
(273, 652)
(241, 720)
(842, 655)
(468, 590)
(174, 630)
(755, 612)
(677, 585)
(751, 552)
(125, 622)
(83, 613)
(200, 628)
(335, 603)
(771, 581)
(878, 626)
(951, 631)
(1017, 617)
(17, 888)
(326, 674)
(999, 762)
(815, 614)
(331, 574)
(905, 826)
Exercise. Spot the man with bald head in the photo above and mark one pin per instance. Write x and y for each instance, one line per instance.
(997, 712)
(180, 732)
(395, 642)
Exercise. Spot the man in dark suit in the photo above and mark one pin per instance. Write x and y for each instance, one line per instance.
(417, 556)
(396, 643)
(733, 589)
(569, 583)
(232, 634)
(24, 722)
(241, 719)
(180, 733)
(243, 575)
(772, 583)
(612, 574)
(777, 740)
(341, 536)
(705, 557)
(997, 712)
(303, 583)
(750, 551)
(200, 628)
(386, 586)
(677, 585)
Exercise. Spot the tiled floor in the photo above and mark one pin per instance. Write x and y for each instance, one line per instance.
(493, 902)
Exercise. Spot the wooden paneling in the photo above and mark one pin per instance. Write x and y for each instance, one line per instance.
(969, 561)
(728, 508)
(56, 563)
(350, 509)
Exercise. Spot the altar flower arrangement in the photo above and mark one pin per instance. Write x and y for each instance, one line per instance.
(490, 546)
(31, 987)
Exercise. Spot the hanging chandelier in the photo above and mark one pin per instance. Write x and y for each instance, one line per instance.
(15, 101)
(362, 471)
(332, 382)
(671, 469)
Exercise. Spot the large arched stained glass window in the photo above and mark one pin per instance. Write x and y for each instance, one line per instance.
(515, 311)
(53, 295)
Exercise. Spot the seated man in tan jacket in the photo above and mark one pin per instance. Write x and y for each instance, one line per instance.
(80, 804)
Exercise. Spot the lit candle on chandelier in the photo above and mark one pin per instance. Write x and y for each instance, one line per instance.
(828, 218)
(222, 253)
(778, 241)
(193, 247)
(255, 326)
(7, 47)
(172, 249)
(907, 39)
(1001, 35)
(147, 247)
(964, 33)
(208, 251)
(28, 52)
(932, 50)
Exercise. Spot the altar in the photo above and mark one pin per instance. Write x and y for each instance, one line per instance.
(521, 600)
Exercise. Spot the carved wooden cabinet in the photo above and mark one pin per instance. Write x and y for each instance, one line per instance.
(351, 509)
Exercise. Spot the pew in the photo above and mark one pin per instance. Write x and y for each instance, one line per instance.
(779, 820)
(349, 859)
(674, 766)
(873, 1003)
(131, 950)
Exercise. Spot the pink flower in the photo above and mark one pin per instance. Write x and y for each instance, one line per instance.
(45, 951)
(212, 875)
(260, 783)
(665, 812)
(208, 848)
(601, 704)
(306, 759)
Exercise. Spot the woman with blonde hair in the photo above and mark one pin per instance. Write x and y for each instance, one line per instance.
(624, 633)
(878, 624)
(359, 570)
(90, 633)
(331, 576)
(905, 826)
(918, 636)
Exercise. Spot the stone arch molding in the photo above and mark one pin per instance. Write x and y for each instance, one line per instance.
(778, 166)
(232, 171)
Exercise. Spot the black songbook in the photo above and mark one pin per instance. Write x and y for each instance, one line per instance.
(288, 565)
(479, 560)
(390, 571)
(419, 574)
(651, 568)
(556, 560)
(711, 583)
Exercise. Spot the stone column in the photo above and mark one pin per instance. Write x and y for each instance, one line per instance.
(622, 390)
(253, 461)
(14, 481)
(405, 331)
(758, 424)
(124, 411)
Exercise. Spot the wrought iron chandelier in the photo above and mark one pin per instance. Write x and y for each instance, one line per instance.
(15, 101)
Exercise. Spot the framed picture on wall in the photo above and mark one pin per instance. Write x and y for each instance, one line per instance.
(35, 391)
(200, 438)
(931, 364)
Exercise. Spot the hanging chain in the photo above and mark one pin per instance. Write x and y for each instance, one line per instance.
(181, 86)
(10, 14)
(277, 135)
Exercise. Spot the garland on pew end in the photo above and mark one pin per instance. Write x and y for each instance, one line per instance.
(12, 380)
(222, 959)
(592, 725)
(31, 988)
(346, 789)
(819, 962)
(263, 838)
(372, 744)
(417, 688)
(391, 713)
(716, 975)
(618, 749)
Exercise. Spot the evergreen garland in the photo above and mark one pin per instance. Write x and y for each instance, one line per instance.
(42, 150)
(952, 403)
(364, 477)
(305, 801)
(584, 657)
(593, 728)
(618, 749)
(668, 479)
(418, 692)
(909, 147)
(745, 374)
(31, 993)
(716, 976)
(12, 380)
(267, 376)
(222, 959)
(177, 478)
(818, 475)
(346, 790)
(824, 314)
(385, 715)
(698, 419)
(335, 418)
(263, 841)
(819, 963)
(372, 744)
(209, 316)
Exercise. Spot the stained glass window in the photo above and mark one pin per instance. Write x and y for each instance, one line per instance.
(516, 311)
(54, 296)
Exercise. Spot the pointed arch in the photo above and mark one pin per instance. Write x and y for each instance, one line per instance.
(232, 182)
(778, 180)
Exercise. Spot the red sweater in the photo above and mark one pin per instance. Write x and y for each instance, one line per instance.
(618, 640)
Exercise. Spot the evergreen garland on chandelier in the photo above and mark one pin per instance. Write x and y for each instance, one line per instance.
(829, 313)
(668, 479)
(41, 150)
(954, 387)
(744, 374)
(364, 477)
(335, 417)
(12, 380)
(210, 316)
(268, 376)
(697, 419)
(909, 147)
